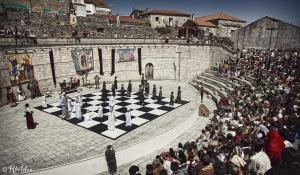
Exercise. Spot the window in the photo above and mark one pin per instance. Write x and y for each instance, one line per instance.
(60, 0)
(156, 19)
(88, 11)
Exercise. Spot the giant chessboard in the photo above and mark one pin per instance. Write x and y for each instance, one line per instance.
(140, 114)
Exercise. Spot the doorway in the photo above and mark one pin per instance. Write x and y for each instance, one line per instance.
(149, 71)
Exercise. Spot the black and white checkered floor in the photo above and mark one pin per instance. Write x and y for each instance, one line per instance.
(140, 114)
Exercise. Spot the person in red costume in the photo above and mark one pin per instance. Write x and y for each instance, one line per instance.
(274, 146)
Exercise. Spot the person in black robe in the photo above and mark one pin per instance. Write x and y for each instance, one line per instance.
(171, 99)
(11, 98)
(122, 90)
(143, 80)
(154, 92)
(29, 119)
(111, 161)
(159, 95)
(147, 88)
(141, 95)
(36, 88)
(178, 98)
(116, 83)
(104, 94)
(129, 89)
(113, 90)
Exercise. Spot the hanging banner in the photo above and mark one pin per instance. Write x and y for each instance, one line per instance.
(83, 60)
(20, 67)
(126, 55)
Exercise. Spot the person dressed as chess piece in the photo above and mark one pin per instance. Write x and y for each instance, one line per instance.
(79, 97)
(104, 94)
(77, 107)
(97, 81)
(154, 92)
(60, 99)
(70, 105)
(129, 89)
(44, 101)
(64, 107)
(178, 98)
(100, 111)
(171, 99)
(128, 118)
(116, 83)
(147, 88)
(143, 80)
(11, 98)
(29, 118)
(113, 90)
(122, 90)
(111, 161)
(111, 125)
(111, 103)
(87, 116)
(21, 94)
(141, 95)
(159, 94)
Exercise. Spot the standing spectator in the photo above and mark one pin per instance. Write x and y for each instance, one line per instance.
(111, 160)
(97, 81)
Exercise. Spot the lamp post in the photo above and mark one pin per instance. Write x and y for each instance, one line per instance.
(178, 64)
(271, 29)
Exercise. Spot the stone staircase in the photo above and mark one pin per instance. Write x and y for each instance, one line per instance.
(216, 86)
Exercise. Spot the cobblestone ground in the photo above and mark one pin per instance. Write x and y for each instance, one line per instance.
(55, 142)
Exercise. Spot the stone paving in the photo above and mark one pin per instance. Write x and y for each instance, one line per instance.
(55, 142)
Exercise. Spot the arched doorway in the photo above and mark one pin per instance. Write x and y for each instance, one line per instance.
(149, 71)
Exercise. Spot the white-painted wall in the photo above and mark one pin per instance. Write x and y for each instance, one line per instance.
(90, 9)
(163, 20)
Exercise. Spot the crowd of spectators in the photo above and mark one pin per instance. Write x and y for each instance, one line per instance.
(260, 135)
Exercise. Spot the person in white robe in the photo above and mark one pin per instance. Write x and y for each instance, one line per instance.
(128, 118)
(77, 108)
(111, 120)
(60, 99)
(100, 111)
(88, 116)
(70, 105)
(79, 95)
(21, 95)
(111, 104)
(44, 101)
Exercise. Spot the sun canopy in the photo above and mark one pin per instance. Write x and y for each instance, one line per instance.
(14, 6)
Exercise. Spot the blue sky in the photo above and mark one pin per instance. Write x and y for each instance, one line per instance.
(249, 10)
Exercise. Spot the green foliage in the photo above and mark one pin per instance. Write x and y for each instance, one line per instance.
(163, 30)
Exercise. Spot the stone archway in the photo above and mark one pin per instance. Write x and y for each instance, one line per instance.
(149, 71)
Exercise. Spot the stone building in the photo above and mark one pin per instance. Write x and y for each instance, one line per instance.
(267, 33)
(219, 24)
(97, 7)
(49, 6)
(161, 18)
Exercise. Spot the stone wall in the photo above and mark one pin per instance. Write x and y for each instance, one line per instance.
(193, 60)
(259, 35)
(39, 5)
(226, 28)
(164, 20)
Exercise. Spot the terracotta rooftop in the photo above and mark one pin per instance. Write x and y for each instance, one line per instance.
(97, 3)
(166, 12)
(219, 16)
(204, 23)
(124, 20)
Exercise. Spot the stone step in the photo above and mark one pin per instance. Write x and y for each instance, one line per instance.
(215, 97)
(221, 85)
(229, 82)
(237, 79)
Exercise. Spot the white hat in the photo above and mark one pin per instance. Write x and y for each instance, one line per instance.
(275, 119)
(280, 115)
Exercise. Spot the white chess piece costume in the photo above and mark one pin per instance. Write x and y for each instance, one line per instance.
(100, 111)
(77, 108)
(44, 102)
(111, 125)
(79, 97)
(87, 117)
(70, 106)
(128, 118)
